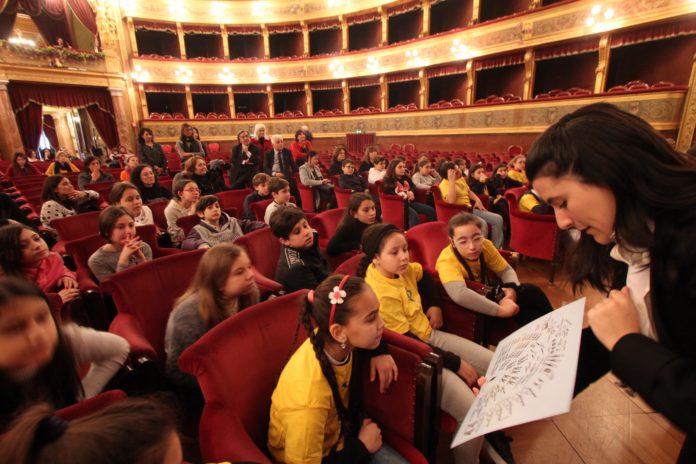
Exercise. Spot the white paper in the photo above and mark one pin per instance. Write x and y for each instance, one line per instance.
(531, 375)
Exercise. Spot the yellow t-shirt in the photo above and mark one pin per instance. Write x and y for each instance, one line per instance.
(527, 202)
(400, 304)
(304, 423)
(461, 188)
(520, 177)
(450, 269)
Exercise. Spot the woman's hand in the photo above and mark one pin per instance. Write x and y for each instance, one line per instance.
(434, 314)
(69, 294)
(614, 317)
(468, 373)
(68, 282)
(370, 435)
(77, 195)
(452, 175)
(508, 308)
(385, 368)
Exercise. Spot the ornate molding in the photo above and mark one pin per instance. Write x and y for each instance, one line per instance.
(662, 109)
(688, 121)
(534, 28)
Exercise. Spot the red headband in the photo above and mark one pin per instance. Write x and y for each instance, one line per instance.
(336, 297)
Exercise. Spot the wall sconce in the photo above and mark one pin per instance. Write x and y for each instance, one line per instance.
(183, 74)
(264, 73)
(413, 60)
(22, 41)
(373, 65)
(258, 9)
(226, 76)
(337, 68)
(140, 75)
(176, 8)
(218, 9)
(599, 16)
(459, 50)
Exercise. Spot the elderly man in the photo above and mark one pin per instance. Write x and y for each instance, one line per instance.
(278, 162)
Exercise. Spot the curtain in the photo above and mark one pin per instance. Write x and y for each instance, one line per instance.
(404, 8)
(403, 76)
(327, 24)
(325, 85)
(30, 122)
(364, 18)
(49, 128)
(283, 28)
(288, 87)
(446, 70)
(199, 29)
(499, 61)
(654, 32)
(150, 26)
(25, 98)
(8, 14)
(209, 89)
(363, 82)
(84, 13)
(105, 124)
(164, 88)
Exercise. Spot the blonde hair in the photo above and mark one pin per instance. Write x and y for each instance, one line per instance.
(211, 276)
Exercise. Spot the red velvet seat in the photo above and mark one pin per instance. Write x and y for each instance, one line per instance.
(238, 405)
(534, 235)
(173, 161)
(307, 197)
(393, 210)
(263, 249)
(214, 147)
(74, 227)
(141, 320)
(233, 198)
(91, 405)
(158, 216)
(342, 196)
(325, 224)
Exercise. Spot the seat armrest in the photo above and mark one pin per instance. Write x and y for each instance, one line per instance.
(128, 327)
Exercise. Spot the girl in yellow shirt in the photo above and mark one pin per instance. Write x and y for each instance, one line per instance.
(517, 172)
(399, 285)
(312, 415)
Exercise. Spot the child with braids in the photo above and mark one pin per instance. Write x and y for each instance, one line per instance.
(313, 408)
(410, 305)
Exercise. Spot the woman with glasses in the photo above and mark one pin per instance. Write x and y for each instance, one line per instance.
(186, 194)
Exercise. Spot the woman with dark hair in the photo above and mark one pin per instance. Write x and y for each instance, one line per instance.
(41, 358)
(481, 185)
(369, 158)
(300, 147)
(359, 214)
(150, 152)
(20, 167)
(208, 181)
(611, 176)
(132, 431)
(47, 154)
(60, 199)
(187, 145)
(246, 162)
(197, 136)
(92, 173)
(145, 178)
(396, 182)
(340, 154)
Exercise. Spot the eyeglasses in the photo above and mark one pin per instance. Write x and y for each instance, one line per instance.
(195, 190)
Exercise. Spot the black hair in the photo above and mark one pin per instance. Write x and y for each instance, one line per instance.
(284, 219)
(276, 184)
(446, 166)
(319, 311)
(390, 177)
(205, 201)
(607, 147)
(137, 171)
(88, 161)
(354, 202)
(311, 154)
(346, 162)
(142, 132)
(49, 192)
(298, 132)
(185, 126)
(472, 170)
(18, 154)
(11, 256)
(180, 185)
(108, 218)
(57, 382)
(372, 243)
(338, 150)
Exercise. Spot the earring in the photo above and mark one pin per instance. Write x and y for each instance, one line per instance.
(343, 346)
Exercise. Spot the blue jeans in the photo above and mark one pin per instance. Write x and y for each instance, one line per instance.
(387, 455)
(414, 209)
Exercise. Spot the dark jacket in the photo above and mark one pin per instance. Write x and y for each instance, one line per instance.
(85, 178)
(253, 198)
(336, 168)
(241, 174)
(154, 155)
(210, 183)
(346, 239)
(288, 166)
(154, 193)
(355, 182)
(300, 268)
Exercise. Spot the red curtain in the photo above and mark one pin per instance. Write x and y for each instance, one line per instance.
(84, 13)
(499, 61)
(8, 14)
(49, 128)
(30, 122)
(97, 101)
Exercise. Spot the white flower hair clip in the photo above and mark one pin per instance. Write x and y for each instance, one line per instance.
(337, 295)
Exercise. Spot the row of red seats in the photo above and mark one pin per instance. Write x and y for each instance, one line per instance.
(206, 116)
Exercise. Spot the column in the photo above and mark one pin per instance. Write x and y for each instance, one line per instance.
(385, 26)
(125, 126)
(271, 103)
(10, 141)
(189, 101)
(424, 90)
(534, 4)
(470, 83)
(308, 99)
(225, 42)
(425, 8)
(230, 101)
(143, 101)
(344, 33)
(266, 42)
(476, 9)
(688, 122)
(305, 38)
(529, 68)
(346, 96)
(131, 34)
(182, 43)
(602, 64)
(383, 93)
(65, 139)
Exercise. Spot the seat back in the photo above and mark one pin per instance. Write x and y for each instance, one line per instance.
(235, 346)
(233, 198)
(425, 243)
(307, 197)
(513, 195)
(167, 278)
(445, 211)
(325, 224)
(263, 250)
(77, 226)
(393, 210)
(158, 216)
(533, 235)
(259, 208)
(342, 196)
(102, 188)
(349, 266)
